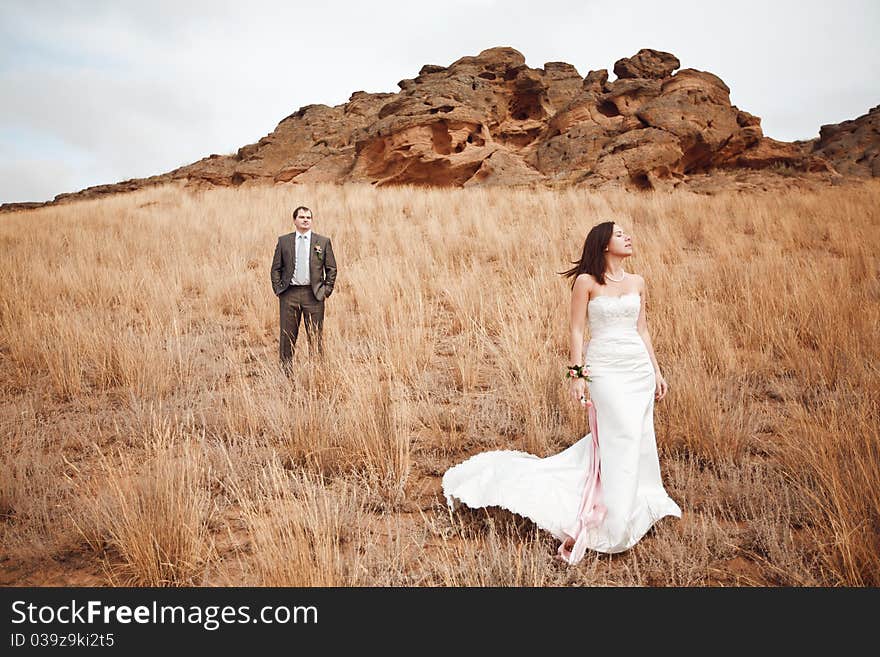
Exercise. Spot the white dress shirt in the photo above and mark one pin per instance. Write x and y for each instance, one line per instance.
(301, 272)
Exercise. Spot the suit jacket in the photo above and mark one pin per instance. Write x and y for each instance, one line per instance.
(322, 264)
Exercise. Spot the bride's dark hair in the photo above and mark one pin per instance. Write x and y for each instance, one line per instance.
(593, 256)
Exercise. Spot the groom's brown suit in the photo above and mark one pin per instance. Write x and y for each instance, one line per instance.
(298, 301)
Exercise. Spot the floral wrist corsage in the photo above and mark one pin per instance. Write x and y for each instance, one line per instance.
(578, 372)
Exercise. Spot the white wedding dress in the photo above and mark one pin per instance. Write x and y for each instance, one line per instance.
(606, 505)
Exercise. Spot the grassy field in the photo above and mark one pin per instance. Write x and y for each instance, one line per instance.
(150, 439)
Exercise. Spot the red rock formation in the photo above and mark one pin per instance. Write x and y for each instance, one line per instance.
(492, 120)
(478, 115)
(852, 146)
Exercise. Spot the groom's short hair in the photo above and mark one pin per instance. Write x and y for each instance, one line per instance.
(303, 208)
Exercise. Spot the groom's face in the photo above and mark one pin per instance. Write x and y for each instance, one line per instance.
(303, 220)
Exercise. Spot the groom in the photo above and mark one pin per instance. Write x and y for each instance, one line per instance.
(303, 274)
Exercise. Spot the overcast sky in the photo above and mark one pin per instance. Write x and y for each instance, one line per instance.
(98, 92)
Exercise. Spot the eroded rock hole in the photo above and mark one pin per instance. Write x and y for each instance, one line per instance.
(526, 106)
(641, 181)
(476, 139)
(607, 108)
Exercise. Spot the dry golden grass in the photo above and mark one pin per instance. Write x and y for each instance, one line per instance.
(152, 511)
(150, 438)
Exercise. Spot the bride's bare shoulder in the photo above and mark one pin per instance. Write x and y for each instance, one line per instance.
(583, 286)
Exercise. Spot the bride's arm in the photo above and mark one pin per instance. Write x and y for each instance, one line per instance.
(642, 325)
(580, 293)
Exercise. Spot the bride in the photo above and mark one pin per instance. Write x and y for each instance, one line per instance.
(604, 492)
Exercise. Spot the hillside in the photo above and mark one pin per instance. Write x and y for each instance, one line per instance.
(150, 438)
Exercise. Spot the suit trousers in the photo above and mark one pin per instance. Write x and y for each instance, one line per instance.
(298, 303)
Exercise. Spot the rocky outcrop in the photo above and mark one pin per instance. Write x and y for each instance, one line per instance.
(466, 124)
(490, 119)
(646, 64)
(853, 147)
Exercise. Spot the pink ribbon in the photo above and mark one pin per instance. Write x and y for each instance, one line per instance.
(592, 510)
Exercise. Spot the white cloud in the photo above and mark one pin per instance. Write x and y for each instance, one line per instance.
(138, 88)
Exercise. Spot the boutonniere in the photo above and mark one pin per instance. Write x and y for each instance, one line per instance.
(318, 250)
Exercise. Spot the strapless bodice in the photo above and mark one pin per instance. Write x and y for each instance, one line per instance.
(615, 343)
(613, 313)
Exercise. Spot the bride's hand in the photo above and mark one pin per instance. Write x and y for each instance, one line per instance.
(661, 387)
(578, 390)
